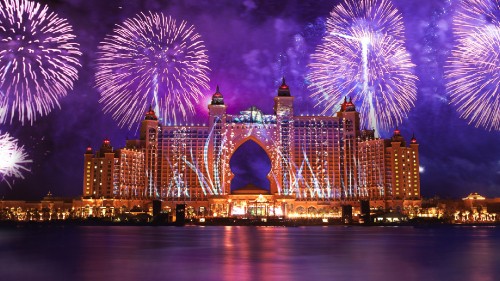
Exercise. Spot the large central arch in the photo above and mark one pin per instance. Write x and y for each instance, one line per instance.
(255, 160)
(262, 135)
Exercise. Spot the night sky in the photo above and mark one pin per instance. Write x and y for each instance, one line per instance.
(251, 44)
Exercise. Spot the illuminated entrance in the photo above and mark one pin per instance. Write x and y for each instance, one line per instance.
(260, 207)
(251, 201)
(248, 206)
(250, 186)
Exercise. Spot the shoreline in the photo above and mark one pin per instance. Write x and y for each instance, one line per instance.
(240, 222)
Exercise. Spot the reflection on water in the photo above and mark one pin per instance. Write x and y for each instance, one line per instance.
(250, 253)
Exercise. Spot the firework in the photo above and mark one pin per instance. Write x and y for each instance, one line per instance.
(151, 59)
(38, 60)
(363, 56)
(13, 158)
(472, 71)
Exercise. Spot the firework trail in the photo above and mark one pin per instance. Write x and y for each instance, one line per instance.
(151, 59)
(472, 71)
(13, 158)
(38, 60)
(363, 56)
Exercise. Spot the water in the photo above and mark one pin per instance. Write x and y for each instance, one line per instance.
(249, 253)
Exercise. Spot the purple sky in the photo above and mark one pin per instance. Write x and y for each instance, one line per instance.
(251, 45)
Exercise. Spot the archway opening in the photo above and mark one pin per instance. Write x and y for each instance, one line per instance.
(250, 166)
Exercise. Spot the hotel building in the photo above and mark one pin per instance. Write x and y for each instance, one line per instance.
(318, 163)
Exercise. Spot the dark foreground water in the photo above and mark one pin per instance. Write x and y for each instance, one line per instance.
(250, 253)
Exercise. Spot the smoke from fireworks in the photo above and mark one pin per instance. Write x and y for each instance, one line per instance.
(151, 60)
(13, 158)
(363, 56)
(38, 60)
(473, 69)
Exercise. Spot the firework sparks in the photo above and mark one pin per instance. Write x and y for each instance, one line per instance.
(473, 69)
(38, 60)
(151, 59)
(363, 56)
(13, 158)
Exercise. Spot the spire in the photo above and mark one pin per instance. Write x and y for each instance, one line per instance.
(283, 90)
(413, 139)
(347, 105)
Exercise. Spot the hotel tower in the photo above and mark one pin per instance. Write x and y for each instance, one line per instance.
(318, 163)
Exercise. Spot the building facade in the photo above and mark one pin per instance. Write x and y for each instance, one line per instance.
(318, 163)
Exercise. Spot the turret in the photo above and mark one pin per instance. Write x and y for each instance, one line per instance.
(413, 139)
(150, 115)
(283, 103)
(89, 150)
(149, 126)
(283, 108)
(350, 118)
(283, 90)
(217, 98)
(149, 135)
(347, 106)
(105, 147)
(396, 137)
(217, 108)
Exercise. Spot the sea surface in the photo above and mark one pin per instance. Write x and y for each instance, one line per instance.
(249, 253)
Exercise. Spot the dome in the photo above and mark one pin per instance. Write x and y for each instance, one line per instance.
(150, 115)
(283, 90)
(217, 98)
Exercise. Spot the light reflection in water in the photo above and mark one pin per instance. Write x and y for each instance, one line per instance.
(249, 253)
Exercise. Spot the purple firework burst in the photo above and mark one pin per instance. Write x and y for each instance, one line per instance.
(473, 70)
(363, 56)
(39, 59)
(151, 59)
